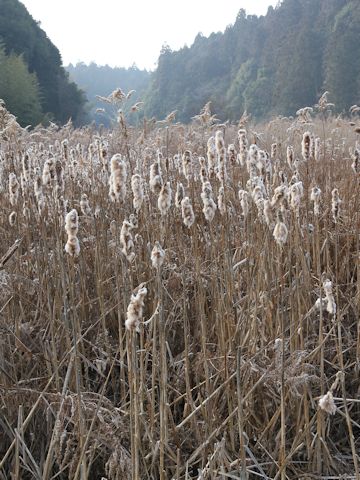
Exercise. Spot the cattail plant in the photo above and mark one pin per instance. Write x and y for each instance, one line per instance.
(243, 143)
(280, 232)
(211, 156)
(330, 300)
(335, 204)
(315, 197)
(187, 165)
(26, 168)
(203, 170)
(221, 153)
(356, 161)
(156, 181)
(280, 196)
(135, 309)
(13, 189)
(296, 193)
(327, 404)
(231, 153)
(268, 213)
(306, 145)
(209, 206)
(157, 255)
(221, 201)
(317, 148)
(126, 241)
(252, 160)
(164, 199)
(290, 156)
(49, 172)
(180, 194)
(187, 212)
(138, 191)
(244, 202)
(117, 179)
(84, 205)
(39, 193)
(72, 246)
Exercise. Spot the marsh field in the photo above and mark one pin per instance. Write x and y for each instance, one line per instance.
(181, 301)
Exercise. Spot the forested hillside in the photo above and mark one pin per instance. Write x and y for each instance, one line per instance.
(33, 63)
(102, 80)
(267, 65)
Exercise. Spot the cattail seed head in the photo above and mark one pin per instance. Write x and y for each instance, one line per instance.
(327, 404)
(157, 255)
(135, 309)
(164, 200)
(72, 223)
(137, 190)
(187, 212)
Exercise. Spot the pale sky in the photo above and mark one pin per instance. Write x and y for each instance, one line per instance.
(120, 33)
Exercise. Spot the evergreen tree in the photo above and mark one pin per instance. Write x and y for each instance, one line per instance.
(19, 89)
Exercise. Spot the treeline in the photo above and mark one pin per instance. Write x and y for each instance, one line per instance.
(269, 65)
(98, 80)
(30, 63)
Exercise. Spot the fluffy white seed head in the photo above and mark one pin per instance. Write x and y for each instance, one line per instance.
(280, 233)
(327, 404)
(135, 309)
(164, 199)
(187, 212)
(157, 255)
(72, 223)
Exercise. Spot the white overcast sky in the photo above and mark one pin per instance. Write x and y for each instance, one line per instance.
(120, 33)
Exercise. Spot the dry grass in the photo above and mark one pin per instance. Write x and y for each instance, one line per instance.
(219, 375)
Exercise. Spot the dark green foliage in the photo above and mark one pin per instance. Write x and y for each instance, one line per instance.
(102, 80)
(270, 65)
(19, 89)
(21, 35)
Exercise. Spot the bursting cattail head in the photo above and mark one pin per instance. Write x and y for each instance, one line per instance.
(296, 193)
(243, 143)
(156, 181)
(135, 309)
(72, 223)
(126, 241)
(187, 165)
(290, 156)
(306, 146)
(164, 200)
(244, 202)
(49, 172)
(180, 194)
(280, 233)
(211, 156)
(356, 161)
(72, 246)
(221, 200)
(84, 205)
(208, 202)
(335, 204)
(315, 197)
(26, 166)
(13, 189)
(187, 212)
(232, 153)
(330, 300)
(118, 176)
(327, 404)
(203, 170)
(157, 255)
(137, 190)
